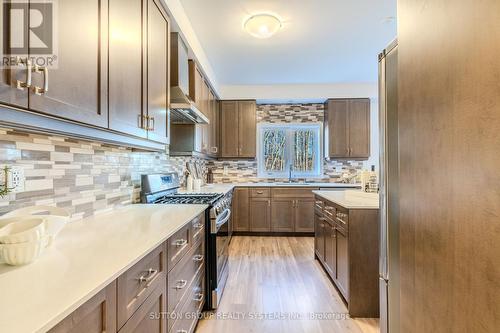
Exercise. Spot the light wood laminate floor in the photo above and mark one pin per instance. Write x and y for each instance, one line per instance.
(278, 277)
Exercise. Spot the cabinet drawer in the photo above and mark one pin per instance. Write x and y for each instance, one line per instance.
(183, 274)
(187, 317)
(198, 228)
(191, 303)
(329, 212)
(296, 193)
(260, 192)
(318, 206)
(342, 219)
(179, 244)
(150, 317)
(136, 284)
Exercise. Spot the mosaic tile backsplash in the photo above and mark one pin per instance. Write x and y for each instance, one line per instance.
(244, 171)
(88, 177)
(84, 177)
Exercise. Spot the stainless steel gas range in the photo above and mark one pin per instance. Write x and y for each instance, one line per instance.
(163, 189)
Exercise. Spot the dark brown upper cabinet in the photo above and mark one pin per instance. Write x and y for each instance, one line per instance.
(347, 128)
(14, 81)
(238, 129)
(125, 67)
(158, 73)
(139, 69)
(74, 86)
(196, 86)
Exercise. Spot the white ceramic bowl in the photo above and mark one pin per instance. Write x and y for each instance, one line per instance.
(22, 253)
(23, 229)
(55, 218)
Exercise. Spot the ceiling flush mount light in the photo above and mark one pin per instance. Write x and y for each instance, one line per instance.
(262, 25)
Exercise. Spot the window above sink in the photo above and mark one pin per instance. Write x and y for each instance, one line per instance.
(294, 146)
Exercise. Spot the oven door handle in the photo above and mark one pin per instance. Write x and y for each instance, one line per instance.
(221, 220)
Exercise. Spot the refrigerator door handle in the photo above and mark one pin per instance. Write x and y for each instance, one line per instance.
(383, 269)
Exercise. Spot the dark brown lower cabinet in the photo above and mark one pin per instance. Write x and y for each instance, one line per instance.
(330, 256)
(319, 237)
(130, 293)
(304, 215)
(283, 215)
(240, 210)
(98, 315)
(260, 214)
(346, 243)
(150, 317)
(342, 268)
(274, 210)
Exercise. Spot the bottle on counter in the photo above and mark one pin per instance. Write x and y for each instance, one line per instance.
(372, 186)
(189, 182)
(210, 176)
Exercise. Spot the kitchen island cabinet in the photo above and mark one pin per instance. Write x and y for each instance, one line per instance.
(347, 246)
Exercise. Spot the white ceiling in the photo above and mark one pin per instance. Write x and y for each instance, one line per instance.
(321, 42)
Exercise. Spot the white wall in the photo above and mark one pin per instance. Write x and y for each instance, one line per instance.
(299, 92)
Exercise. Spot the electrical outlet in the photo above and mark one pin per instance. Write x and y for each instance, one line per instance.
(15, 178)
(226, 170)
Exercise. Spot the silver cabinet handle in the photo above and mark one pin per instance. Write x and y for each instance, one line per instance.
(45, 72)
(215, 149)
(198, 257)
(180, 284)
(260, 192)
(151, 123)
(20, 84)
(151, 273)
(198, 297)
(180, 242)
(197, 225)
(182, 331)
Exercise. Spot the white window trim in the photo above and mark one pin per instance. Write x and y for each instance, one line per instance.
(295, 174)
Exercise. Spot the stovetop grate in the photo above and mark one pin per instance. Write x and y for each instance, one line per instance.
(187, 199)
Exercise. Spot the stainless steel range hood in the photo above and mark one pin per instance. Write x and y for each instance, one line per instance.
(182, 108)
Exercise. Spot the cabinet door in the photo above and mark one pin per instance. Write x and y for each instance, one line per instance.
(337, 134)
(260, 214)
(330, 250)
(125, 67)
(158, 79)
(319, 237)
(97, 315)
(9, 93)
(240, 210)
(342, 280)
(229, 129)
(207, 111)
(304, 215)
(77, 87)
(213, 150)
(359, 128)
(150, 317)
(282, 215)
(247, 127)
(196, 85)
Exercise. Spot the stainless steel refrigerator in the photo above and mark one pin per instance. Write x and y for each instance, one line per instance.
(389, 185)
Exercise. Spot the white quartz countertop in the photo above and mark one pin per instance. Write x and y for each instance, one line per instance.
(85, 257)
(224, 188)
(351, 200)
